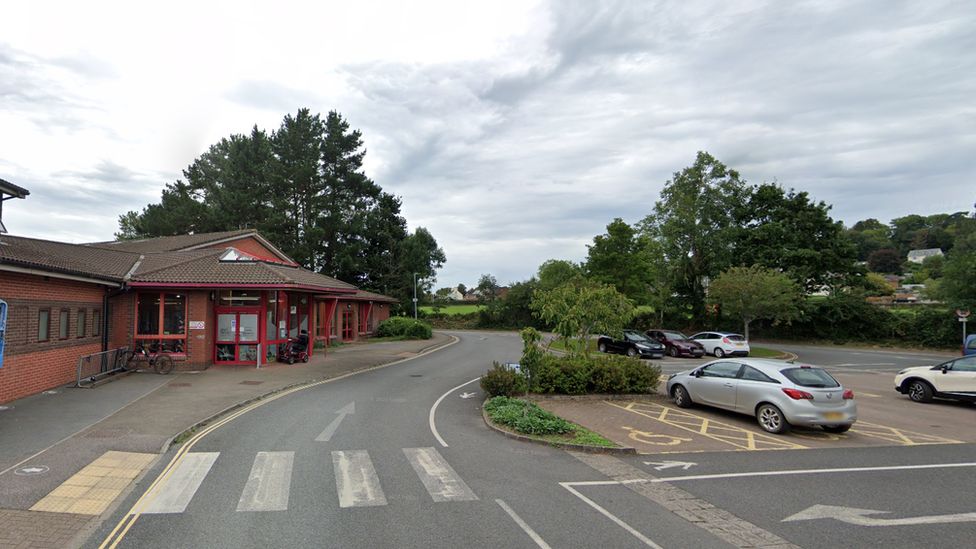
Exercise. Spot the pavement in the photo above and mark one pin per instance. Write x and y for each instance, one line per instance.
(69, 454)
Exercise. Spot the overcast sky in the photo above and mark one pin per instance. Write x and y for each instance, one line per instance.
(514, 131)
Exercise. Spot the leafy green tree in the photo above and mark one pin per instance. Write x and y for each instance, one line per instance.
(869, 235)
(885, 260)
(421, 255)
(487, 288)
(631, 262)
(786, 231)
(693, 223)
(556, 272)
(751, 293)
(957, 288)
(876, 285)
(582, 307)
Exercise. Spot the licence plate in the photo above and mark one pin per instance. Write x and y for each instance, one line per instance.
(738, 345)
(831, 416)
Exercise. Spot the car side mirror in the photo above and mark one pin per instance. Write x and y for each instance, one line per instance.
(945, 368)
(696, 373)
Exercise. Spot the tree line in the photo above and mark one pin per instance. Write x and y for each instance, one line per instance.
(304, 188)
(715, 246)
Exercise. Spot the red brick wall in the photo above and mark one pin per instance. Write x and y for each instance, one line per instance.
(199, 343)
(250, 246)
(31, 366)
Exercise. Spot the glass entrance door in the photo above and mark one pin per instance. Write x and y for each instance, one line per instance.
(237, 337)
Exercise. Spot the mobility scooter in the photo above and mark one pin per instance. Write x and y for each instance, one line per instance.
(295, 349)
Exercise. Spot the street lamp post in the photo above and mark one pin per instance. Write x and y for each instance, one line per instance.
(415, 296)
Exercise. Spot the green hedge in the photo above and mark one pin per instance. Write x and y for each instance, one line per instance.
(568, 375)
(404, 327)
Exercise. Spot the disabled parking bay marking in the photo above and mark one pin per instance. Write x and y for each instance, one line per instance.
(899, 436)
(742, 439)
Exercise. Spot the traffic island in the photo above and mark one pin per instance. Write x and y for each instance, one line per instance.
(525, 421)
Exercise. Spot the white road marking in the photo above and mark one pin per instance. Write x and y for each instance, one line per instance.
(863, 364)
(175, 493)
(522, 524)
(356, 480)
(859, 517)
(439, 478)
(814, 471)
(662, 465)
(644, 539)
(269, 484)
(433, 409)
(331, 428)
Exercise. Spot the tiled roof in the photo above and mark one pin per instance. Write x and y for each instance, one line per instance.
(75, 259)
(170, 243)
(205, 267)
(370, 296)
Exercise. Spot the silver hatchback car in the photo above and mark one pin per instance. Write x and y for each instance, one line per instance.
(779, 394)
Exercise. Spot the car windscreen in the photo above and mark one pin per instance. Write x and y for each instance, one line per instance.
(635, 337)
(810, 377)
(674, 335)
(735, 337)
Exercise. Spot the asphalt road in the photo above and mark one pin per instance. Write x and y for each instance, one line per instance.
(357, 463)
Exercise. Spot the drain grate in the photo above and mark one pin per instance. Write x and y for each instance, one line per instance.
(251, 382)
(416, 375)
(179, 384)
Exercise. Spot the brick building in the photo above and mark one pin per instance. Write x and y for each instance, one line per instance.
(214, 298)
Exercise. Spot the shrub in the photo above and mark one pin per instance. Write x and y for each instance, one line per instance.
(525, 417)
(401, 326)
(503, 381)
(599, 374)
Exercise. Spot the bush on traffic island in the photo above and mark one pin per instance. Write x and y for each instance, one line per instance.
(404, 327)
(503, 380)
(525, 417)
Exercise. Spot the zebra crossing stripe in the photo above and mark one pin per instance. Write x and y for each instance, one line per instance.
(269, 484)
(440, 480)
(175, 493)
(356, 480)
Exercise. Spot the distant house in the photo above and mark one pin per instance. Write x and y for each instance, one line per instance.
(455, 295)
(918, 256)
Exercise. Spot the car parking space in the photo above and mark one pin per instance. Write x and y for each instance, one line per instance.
(886, 418)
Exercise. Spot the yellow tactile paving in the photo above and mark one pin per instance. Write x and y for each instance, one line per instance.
(738, 437)
(91, 490)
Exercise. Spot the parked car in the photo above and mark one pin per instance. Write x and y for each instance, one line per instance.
(969, 348)
(954, 379)
(676, 343)
(779, 394)
(633, 344)
(722, 344)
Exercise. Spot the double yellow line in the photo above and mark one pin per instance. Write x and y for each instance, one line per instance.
(130, 518)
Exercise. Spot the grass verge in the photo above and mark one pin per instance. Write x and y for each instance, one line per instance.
(762, 352)
(528, 419)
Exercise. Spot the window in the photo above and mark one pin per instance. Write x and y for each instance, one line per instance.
(240, 298)
(161, 322)
(271, 322)
(82, 321)
(810, 377)
(751, 374)
(967, 364)
(96, 322)
(721, 369)
(43, 324)
(63, 324)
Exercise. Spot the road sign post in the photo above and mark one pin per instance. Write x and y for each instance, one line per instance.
(963, 317)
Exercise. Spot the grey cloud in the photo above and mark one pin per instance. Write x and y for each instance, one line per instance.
(263, 94)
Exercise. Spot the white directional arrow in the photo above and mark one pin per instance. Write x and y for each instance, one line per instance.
(32, 470)
(468, 395)
(331, 429)
(662, 465)
(860, 517)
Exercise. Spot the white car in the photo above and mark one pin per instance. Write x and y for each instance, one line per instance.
(955, 379)
(722, 344)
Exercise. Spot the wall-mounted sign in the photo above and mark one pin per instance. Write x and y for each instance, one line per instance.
(294, 309)
(198, 325)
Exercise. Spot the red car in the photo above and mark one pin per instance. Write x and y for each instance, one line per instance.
(677, 344)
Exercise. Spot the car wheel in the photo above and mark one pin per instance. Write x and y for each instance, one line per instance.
(771, 419)
(836, 428)
(673, 351)
(681, 397)
(920, 391)
(631, 352)
(718, 352)
(602, 347)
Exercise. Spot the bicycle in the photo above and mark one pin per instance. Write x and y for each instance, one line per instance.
(161, 363)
